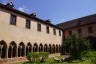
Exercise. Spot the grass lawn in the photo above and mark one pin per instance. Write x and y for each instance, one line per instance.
(52, 61)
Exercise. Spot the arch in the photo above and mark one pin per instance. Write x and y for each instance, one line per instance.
(57, 48)
(21, 49)
(54, 48)
(40, 48)
(50, 48)
(3, 49)
(45, 48)
(35, 48)
(28, 48)
(12, 50)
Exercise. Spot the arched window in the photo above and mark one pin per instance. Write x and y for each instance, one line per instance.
(28, 48)
(40, 48)
(3, 47)
(59, 48)
(12, 50)
(21, 49)
(35, 48)
(45, 48)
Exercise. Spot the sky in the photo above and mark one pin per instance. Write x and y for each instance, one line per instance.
(57, 11)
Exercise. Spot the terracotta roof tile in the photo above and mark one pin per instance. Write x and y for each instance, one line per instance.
(78, 22)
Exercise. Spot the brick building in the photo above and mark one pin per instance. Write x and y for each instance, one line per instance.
(86, 26)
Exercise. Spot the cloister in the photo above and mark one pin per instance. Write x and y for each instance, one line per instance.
(22, 50)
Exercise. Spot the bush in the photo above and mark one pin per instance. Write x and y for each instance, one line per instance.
(75, 45)
(43, 56)
(91, 55)
(36, 57)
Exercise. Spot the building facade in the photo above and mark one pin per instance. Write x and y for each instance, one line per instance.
(85, 26)
(21, 33)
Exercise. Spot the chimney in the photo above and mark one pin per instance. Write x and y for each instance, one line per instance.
(10, 5)
(48, 21)
(33, 15)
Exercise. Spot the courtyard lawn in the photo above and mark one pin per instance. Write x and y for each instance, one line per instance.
(52, 61)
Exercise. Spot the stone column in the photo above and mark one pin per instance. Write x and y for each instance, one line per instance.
(25, 51)
(37, 49)
(31, 49)
(7, 52)
(0, 51)
(17, 52)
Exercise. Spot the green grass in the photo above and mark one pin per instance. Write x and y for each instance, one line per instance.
(52, 61)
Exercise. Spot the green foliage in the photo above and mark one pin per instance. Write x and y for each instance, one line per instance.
(43, 55)
(91, 55)
(75, 45)
(36, 57)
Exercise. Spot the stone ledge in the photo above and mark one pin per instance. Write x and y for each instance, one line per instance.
(13, 60)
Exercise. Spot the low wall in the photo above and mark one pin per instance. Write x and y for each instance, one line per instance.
(53, 55)
(13, 60)
(21, 59)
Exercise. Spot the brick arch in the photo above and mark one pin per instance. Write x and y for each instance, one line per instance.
(45, 48)
(21, 49)
(3, 49)
(41, 47)
(28, 48)
(35, 47)
(12, 49)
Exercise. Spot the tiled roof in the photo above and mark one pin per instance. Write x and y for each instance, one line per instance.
(78, 22)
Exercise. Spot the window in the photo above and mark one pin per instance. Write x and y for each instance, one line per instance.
(28, 23)
(59, 33)
(47, 29)
(70, 32)
(38, 27)
(79, 31)
(90, 29)
(54, 31)
(13, 19)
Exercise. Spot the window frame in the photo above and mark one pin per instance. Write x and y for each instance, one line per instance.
(70, 32)
(28, 24)
(54, 31)
(79, 31)
(59, 32)
(13, 19)
(39, 27)
(47, 29)
(90, 29)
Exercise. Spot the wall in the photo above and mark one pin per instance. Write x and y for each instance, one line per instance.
(19, 33)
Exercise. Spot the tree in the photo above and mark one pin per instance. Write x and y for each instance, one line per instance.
(75, 45)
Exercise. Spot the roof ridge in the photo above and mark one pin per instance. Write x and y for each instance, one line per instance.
(77, 19)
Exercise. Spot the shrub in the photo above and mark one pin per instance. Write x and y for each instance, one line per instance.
(75, 45)
(37, 57)
(33, 57)
(91, 55)
(43, 56)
